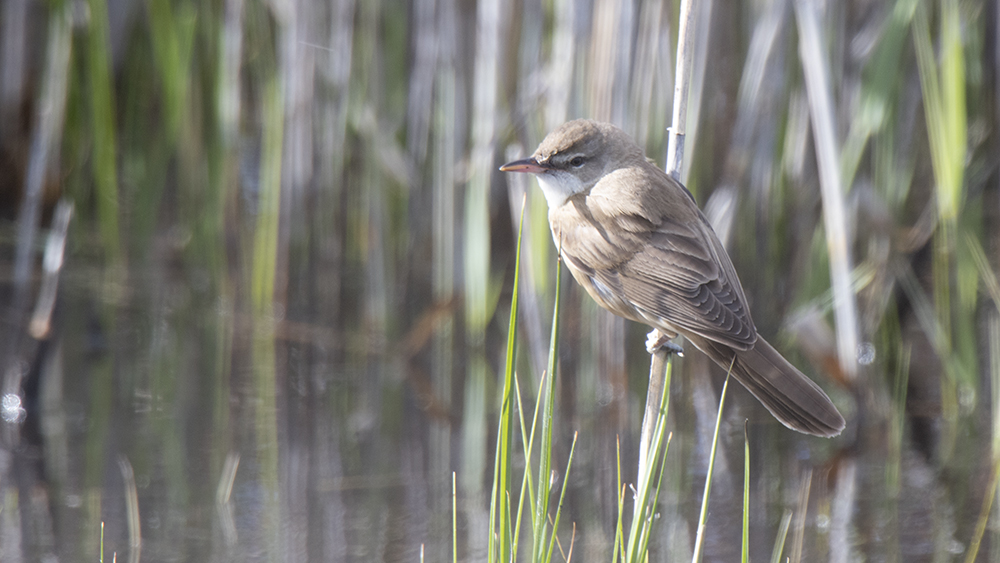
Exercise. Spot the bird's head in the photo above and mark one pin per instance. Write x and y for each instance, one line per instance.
(575, 156)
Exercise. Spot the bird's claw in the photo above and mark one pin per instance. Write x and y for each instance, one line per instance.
(657, 340)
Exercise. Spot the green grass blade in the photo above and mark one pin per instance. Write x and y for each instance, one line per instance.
(454, 518)
(266, 231)
(167, 34)
(494, 496)
(645, 498)
(500, 544)
(562, 497)
(545, 449)
(102, 116)
(526, 481)
(944, 103)
(746, 494)
(699, 538)
(648, 523)
(619, 532)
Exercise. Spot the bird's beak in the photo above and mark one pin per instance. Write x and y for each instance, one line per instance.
(524, 165)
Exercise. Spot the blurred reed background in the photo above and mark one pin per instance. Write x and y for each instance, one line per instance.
(288, 253)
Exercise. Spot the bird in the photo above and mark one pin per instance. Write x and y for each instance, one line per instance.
(637, 242)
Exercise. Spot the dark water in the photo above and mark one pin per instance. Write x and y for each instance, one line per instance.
(194, 433)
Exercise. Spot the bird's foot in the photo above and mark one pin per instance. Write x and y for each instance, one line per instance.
(657, 340)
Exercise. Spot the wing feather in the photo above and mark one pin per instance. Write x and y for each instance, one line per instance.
(682, 277)
(652, 257)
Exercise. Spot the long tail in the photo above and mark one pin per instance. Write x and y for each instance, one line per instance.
(792, 398)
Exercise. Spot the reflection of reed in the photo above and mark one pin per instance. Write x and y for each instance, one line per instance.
(223, 499)
(52, 263)
(131, 510)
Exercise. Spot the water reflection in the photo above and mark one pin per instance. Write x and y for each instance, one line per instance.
(193, 432)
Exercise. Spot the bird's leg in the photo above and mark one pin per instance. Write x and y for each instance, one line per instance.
(657, 339)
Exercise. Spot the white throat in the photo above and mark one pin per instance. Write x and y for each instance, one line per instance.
(558, 186)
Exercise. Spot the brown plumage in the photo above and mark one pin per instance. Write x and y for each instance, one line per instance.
(635, 239)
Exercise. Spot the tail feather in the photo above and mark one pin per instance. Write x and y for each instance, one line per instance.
(792, 398)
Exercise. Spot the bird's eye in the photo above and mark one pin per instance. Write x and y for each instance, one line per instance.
(576, 162)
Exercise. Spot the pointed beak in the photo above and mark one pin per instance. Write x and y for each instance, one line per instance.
(524, 165)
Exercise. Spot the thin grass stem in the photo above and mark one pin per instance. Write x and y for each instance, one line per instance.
(746, 494)
(562, 497)
(703, 516)
(545, 448)
(500, 541)
(645, 498)
(526, 479)
(619, 548)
